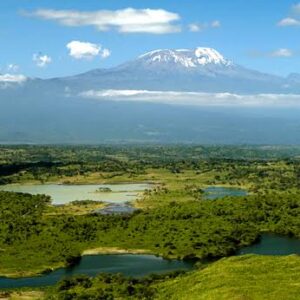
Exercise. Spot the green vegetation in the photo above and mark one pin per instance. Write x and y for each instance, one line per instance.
(77, 207)
(104, 286)
(196, 229)
(259, 167)
(244, 277)
(103, 190)
(174, 219)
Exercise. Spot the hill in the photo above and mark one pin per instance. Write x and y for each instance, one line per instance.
(238, 278)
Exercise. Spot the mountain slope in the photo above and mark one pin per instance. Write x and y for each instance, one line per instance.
(54, 111)
(197, 70)
(78, 121)
(201, 69)
(244, 277)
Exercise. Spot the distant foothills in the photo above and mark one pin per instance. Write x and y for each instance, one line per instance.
(164, 96)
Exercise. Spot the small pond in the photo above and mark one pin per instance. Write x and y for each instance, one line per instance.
(129, 265)
(63, 194)
(216, 192)
(115, 209)
(271, 244)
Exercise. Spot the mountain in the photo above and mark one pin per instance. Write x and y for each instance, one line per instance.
(198, 70)
(53, 110)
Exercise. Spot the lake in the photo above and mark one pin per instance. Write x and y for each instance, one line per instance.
(129, 265)
(216, 192)
(271, 244)
(141, 265)
(63, 194)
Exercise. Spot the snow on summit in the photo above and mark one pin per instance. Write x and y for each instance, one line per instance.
(209, 56)
(188, 58)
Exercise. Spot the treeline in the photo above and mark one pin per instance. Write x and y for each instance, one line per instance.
(152, 154)
(20, 216)
(276, 168)
(108, 287)
(200, 229)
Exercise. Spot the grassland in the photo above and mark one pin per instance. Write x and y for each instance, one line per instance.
(75, 208)
(247, 277)
(22, 295)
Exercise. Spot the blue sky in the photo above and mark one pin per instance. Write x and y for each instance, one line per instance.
(37, 40)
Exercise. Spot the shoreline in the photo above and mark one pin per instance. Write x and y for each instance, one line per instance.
(27, 274)
(114, 251)
(89, 252)
(88, 182)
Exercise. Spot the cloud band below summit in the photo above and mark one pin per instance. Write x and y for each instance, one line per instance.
(196, 98)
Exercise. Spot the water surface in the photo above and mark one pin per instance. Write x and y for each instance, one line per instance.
(63, 194)
(216, 192)
(113, 209)
(141, 265)
(271, 244)
(91, 265)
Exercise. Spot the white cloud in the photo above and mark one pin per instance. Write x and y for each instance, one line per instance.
(293, 19)
(85, 50)
(41, 60)
(9, 80)
(195, 98)
(129, 20)
(13, 68)
(289, 22)
(197, 27)
(105, 53)
(283, 52)
(216, 24)
(194, 27)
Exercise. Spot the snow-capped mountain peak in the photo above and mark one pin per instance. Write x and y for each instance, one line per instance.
(186, 57)
(209, 55)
